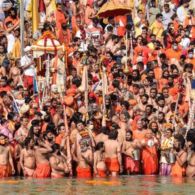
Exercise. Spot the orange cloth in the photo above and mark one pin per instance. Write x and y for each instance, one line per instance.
(59, 138)
(177, 170)
(158, 73)
(122, 22)
(14, 22)
(150, 160)
(162, 83)
(89, 12)
(28, 81)
(42, 171)
(44, 127)
(16, 51)
(60, 19)
(139, 135)
(101, 173)
(131, 165)
(83, 172)
(64, 36)
(4, 171)
(112, 164)
(171, 54)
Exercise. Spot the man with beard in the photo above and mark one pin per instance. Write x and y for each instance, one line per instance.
(152, 97)
(179, 167)
(35, 130)
(22, 132)
(149, 112)
(149, 154)
(6, 160)
(161, 122)
(84, 159)
(27, 158)
(28, 67)
(144, 101)
(190, 171)
(161, 106)
(58, 163)
(129, 147)
(58, 116)
(42, 150)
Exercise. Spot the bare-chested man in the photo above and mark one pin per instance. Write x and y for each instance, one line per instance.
(113, 154)
(84, 159)
(129, 147)
(23, 131)
(42, 150)
(99, 166)
(58, 163)
(6, 161)
(179, 167)
(14, 72)
(190, 171)
(102, 136)
(58, 117)
(27, 158)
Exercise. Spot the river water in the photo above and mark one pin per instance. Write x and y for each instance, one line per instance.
(142, 185)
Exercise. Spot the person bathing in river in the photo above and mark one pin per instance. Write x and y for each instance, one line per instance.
(27, 158)
(190, 171)
(6, 161)
(42, 151)
(58, 163)
(129, 147)
(179, 167)
(84, 159)
(99, 163)
(113, 154)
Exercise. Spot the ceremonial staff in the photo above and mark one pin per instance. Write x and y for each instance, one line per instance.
(22, 26)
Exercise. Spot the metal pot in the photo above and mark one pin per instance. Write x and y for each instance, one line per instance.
(136, 154)
(172, 158)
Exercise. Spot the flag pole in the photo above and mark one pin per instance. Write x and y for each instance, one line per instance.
(22, 26)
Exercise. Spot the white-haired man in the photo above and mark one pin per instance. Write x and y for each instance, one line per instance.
(28, 67)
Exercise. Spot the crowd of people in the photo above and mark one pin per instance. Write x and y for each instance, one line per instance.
(119, 99)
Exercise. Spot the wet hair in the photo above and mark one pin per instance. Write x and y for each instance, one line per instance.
(191, 136)
(180, 139)
(113, 134)
(55, 147)
(26, 142)
(99, 146)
